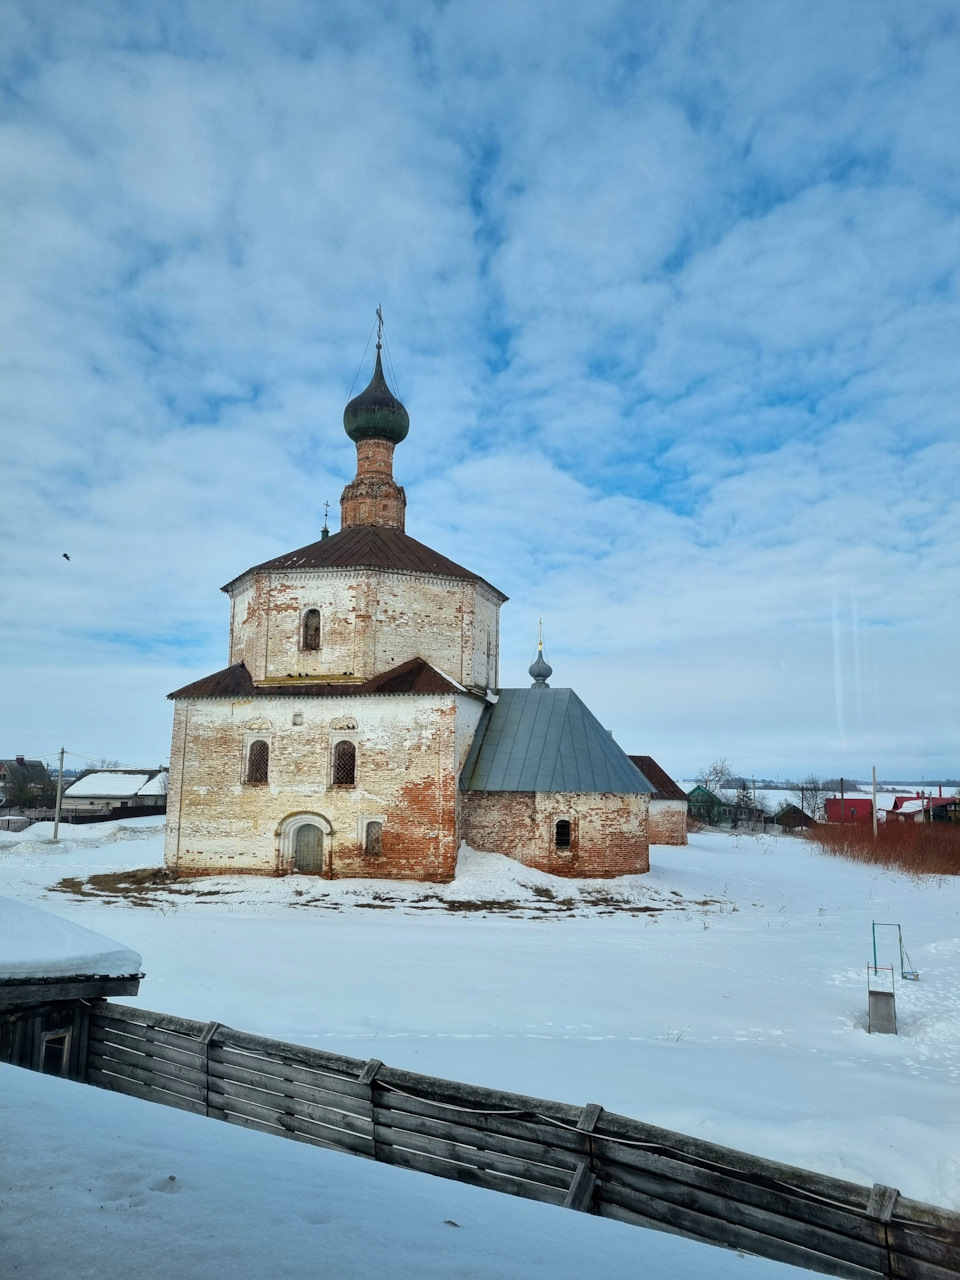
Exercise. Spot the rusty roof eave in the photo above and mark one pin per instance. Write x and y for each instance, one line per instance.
(368, 547)
(415, 677)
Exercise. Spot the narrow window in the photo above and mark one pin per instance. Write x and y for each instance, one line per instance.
(54, 1053)
(562, 833)
(374, 840)
(258, 763)
(311, 629)
(344, 764)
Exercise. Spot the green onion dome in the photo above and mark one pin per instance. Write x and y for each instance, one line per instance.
(376, 413)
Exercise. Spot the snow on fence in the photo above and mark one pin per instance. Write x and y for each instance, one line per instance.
(581, 1158)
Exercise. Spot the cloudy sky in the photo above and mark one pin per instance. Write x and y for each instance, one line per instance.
(671, 292)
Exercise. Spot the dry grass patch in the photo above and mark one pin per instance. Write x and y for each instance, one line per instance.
(919, 848)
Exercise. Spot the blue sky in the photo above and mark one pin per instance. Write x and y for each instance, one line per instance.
(671, 293)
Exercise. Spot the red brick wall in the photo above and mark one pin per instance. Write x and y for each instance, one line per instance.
(373, 496)
(609, 831)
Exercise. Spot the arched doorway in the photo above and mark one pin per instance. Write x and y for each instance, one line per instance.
(308, 849)
(305, 843)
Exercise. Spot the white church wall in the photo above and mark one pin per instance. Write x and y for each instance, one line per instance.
(371, 621)
(408, 756)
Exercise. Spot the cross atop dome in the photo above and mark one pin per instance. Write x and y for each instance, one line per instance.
(376, 422)
(376, 413)
(540, 668)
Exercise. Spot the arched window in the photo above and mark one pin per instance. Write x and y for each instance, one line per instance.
(563, 834)
(344, 764)
(258, 763)
(373, 845)
(311, 629)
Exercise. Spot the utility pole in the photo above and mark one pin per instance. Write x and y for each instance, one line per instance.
(56, 812)
(841, 801)
(874, 802)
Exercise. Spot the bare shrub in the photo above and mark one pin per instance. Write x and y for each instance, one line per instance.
(918, 848)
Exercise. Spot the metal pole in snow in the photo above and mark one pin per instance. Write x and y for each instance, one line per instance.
(56, 812)
(874, 802)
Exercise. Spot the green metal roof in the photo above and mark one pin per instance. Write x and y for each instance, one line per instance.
(543, 739)
(376, 413)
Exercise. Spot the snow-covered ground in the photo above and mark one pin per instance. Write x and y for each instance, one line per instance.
(723, 995)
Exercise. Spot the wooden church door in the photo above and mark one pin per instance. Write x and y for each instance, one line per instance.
(308, 849)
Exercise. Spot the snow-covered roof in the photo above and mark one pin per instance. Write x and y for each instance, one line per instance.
(111, 782)
(39, 944)
(157, 786)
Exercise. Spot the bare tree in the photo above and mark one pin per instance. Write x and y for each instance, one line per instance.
(105, 763)
(715, 775)
(810, 793)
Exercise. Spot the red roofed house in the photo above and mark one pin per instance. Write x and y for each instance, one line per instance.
(668, 804)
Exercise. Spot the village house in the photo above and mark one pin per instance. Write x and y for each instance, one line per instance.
(668, 804)
(360, 730)
(791, 818)
(22, 781)
(705, 806)
(855, 808)
(142, 791)
(924, 808)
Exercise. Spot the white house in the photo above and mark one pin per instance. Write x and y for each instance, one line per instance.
(101, 789)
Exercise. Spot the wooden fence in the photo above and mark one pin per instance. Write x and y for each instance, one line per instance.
(581, 1158)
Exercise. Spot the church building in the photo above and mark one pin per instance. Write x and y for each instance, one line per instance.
(360, 729)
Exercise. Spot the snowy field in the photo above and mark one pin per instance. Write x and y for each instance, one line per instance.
(722, 995)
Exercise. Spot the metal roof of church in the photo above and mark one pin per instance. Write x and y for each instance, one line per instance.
(368, 546)
(544, 739)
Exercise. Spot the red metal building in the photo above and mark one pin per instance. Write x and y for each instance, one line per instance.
(854, 809)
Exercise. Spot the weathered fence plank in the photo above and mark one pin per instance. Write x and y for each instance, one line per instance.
(149, 1093)
(537, 1152)
(667, 1191)
(780, 1200)
(583, 1157)
(317, 1058)
(354, 1096)
(140, 1043)
(146, 1076)
(291, 1122)
(270, 1097)
(407, 1159)
(925, 1248)
(915, 1269)
(105, 1049)
(464, 1154)
(509, 1125)
(631, 1206)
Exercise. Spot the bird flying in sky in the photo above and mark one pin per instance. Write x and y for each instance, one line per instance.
(65, 556)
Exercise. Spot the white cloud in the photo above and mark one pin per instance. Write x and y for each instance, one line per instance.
(671, 291)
